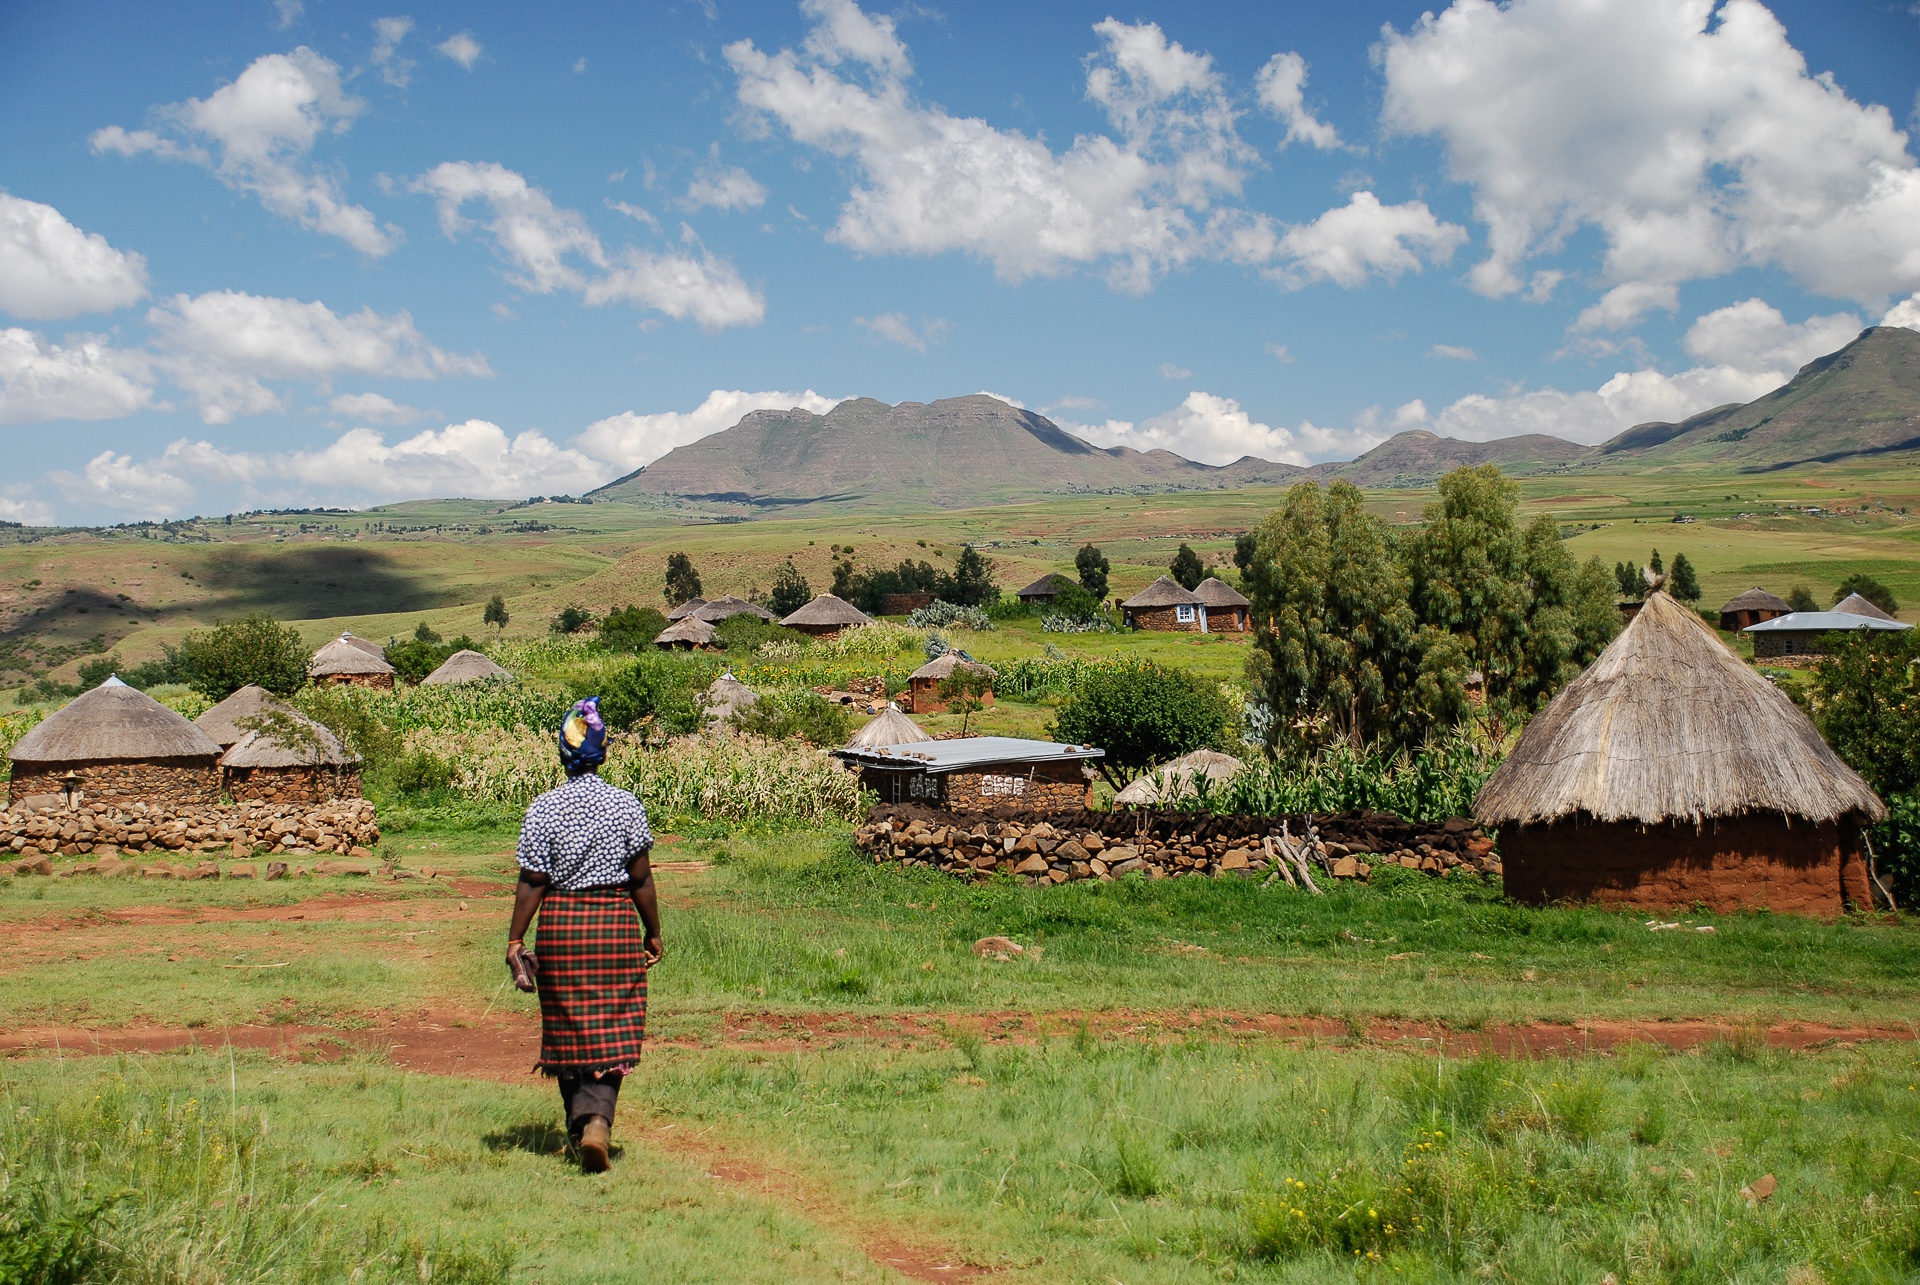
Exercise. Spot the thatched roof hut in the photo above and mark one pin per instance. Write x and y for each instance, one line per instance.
(308, 764)
(350, 660)
(686, 634)
(686, 609)
(826, 616)
(1854, 605)
(1750, 608)
(222, 722)
(1176, 777)
(888, 727)
(1045, 589)
(122, 746)
(1228, 610)
(923, 684)
(367, 645)
(1165, 605)
(466, 666)
(1671, 773)
(726, 608)
(725, 696)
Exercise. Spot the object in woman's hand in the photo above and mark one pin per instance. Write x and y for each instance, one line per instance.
(525, 969)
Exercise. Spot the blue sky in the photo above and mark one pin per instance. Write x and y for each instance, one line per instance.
(280, 253)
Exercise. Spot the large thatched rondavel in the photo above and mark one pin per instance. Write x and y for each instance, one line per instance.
(1671, 774)
(115, 744)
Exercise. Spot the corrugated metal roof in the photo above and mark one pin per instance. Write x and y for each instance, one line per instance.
(938, 757)
(1821, 622)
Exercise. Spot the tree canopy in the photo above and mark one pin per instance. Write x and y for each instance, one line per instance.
(254, 649)
(1870, 589)
(683, 582)
(1093, 567)
(1186, 568)
(1141, 715)
(790, 590)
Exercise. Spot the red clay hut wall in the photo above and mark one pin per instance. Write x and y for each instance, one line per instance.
(1167, 618)
(923, 697)
(1737, 863)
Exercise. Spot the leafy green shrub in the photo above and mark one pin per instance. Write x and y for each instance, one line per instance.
(426, 651)
(96, 671)
(807, 715)
(657, 688)
(745, 634)
(1432, 783)
(1866, 700)
(256, 649)
(631, 629)
(571, 619)
(416, 771)
(1142, 713)
(44, 1243)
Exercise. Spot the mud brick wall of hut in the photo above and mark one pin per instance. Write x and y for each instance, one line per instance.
(900, 604)
(178, 783)
(1166, 618)
(291, 784)
(923, 697)
(384, 682)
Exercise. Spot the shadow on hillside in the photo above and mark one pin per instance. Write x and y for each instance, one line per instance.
(316, 581)
(77, 614)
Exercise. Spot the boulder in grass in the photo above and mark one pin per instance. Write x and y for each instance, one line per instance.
(332, 868)
(33, 866)
(240, 872)
(276, 870)
(998, 948)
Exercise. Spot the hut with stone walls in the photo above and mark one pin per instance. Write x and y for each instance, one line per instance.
(223, 722)
(466, 666)
(1228, 610)
(728, 607)
(923, 684)
(1854, 605)
(826, 616)
(1803, 633)
(1165, 605)
(1043, 591)
(889, 727)
(1750, 608)
(977, 773)
(118, 746)
(1671, 774)
(351, 661)
(686, 609)
(272, 753)
(690, 634)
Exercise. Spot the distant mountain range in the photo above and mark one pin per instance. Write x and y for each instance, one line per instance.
(962, 451)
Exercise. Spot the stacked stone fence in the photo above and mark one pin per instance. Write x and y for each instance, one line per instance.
(347, 827)
(1063, 846)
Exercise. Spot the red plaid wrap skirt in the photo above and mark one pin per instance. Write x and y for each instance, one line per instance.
(593, 981)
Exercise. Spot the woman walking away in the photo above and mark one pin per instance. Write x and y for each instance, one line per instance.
(584, 870)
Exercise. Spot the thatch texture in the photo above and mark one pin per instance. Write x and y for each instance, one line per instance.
(367, 645)
(943, 665)
(1162, 593)
(691, 632)
(1176, 777)
(686, 608)
(728, 607)
(466, 666)
(1669, 725)
(725, 696)
(1854, 605)
(1756, 599)
(348, 655)
(1216, 592)
(258, 749)
(827, 612)
(114, 722)
(222, 722)
(1046, 586)
(889, 727)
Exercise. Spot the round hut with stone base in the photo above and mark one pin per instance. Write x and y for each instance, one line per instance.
(118, 746)
(1670, 775)
(272, 753)
(466, 666)
(826, 616)
(351, 661)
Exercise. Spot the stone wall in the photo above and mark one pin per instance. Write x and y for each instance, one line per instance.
(1046, 786)
(1166, 618)
(1740, 863)
(291, 784)
(175, 783)
(105, 830)
(383, 682)
(1786, 642)
(901, 604)
(923, 697)
(1227, 620)
(1071, 845)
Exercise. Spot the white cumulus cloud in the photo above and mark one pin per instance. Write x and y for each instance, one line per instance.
(1364, 238)
(462, 48)
(1281, 87)
(725, 189)
(629, 440)
(1453, 352)
(1204, 427)
(50, 269)
(1687, 133)
(897, 328)
(262, 128)
(86, 378)
(1905, 313)
(387, 35)
(373, 408)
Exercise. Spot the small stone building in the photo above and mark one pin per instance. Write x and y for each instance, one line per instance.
(466, 666)
(1165, 605)
(118, 746)
(352, 661)
(728, 607)
(1800, 633)
(826, 616)
(904, 604)
(689, 634)
(977, 773)
(1043, 591)
(1750, 608)
(1228, 610)
(923, 684)
(1670, 775)
(300, 761)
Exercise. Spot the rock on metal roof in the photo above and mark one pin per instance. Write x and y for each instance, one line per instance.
(937, 758)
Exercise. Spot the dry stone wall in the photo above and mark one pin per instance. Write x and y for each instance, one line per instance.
(347, 827)
(1063, 846)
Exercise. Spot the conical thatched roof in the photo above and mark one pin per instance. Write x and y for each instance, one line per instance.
(693, 631)
(367, 645)
(113, 721)
(222, 722)
(827, 610)
(728, 607)
(348, 655)
(686, 608)
(725, 696)
(465, 666)
(1669, 725)
(945, 663)
(1757, 599)
(1854, 605)
(258, 749)
(1175, 777)
(1216, 592)
(1046, 586)
(889, 727)
(1162, 593)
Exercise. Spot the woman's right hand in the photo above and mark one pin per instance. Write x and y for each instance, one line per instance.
(652, 951)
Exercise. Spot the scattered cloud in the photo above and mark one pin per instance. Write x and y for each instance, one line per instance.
(1280, 354)
(580, 65)
(50, 269)
(86, 378)
(1168, 370)
(1453, 352)
(262, 128)
(628, 440)
(1905, 313)
(223, 347)
(387, 35)
(1689, 135)
(289, 12)
(1071, 403)
(372, 408)
(1281, 87)
(1158, 192)
(725, 189)
(550, 247)
(896, 328)
(462, 48)
(1204, 427)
